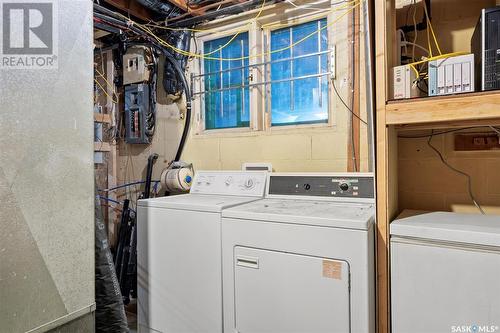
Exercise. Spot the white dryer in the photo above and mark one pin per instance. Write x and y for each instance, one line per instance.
(179, 252)
(302, 259)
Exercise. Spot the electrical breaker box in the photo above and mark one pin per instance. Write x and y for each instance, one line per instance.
(135, 65)
(137, 111)
(403, 82)
(451, 75)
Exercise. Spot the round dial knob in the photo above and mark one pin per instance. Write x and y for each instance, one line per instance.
(229, 181)
(307, 187)
(249, 183)
(344, 186)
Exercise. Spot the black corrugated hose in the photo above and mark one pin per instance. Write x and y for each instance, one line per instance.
(109, 16)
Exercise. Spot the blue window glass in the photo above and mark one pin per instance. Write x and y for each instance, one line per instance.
(227, 103)
(299, 96)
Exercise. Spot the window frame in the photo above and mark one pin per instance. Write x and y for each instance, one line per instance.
(258, 43)
(267, 47)
(200, 112)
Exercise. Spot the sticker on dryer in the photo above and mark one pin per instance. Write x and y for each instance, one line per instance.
(332, 269)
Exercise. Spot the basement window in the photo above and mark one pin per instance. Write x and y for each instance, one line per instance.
(299, 74)
(226, 93)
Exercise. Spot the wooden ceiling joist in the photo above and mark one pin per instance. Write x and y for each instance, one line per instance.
(133, 8)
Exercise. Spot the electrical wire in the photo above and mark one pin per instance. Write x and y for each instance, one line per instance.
(441, 133)
(239, 32)
(305, 7)
(466, 175)
(113, 201)
(415, 31)
(105, 92)
(426, 60)
(345, 104)
(127, 185)
(429, 25)
(346, 5)
(131, 24)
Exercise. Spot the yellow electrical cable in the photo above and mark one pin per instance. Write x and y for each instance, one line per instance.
(105, 92)
(239, 32)
(107, 82)
(309, 18)
(441, 56)
(186, 53)
(429, 24)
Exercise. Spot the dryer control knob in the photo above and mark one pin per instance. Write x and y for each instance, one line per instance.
(344, 186)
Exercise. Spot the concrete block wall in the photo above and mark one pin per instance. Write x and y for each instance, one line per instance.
(426, 183)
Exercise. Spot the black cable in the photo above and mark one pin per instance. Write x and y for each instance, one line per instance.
(345, 104)
(439, 133)
(466, 175)
(169, 57)
(353, 82)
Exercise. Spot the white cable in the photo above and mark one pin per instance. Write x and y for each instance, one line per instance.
(452, 168)
(416, 45)
(306, 7)
(494, 129)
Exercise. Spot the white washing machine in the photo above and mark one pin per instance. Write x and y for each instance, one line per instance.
(179, 252)
(302, 259)
(445, 273)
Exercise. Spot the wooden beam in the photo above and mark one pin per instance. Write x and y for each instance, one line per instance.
(385, 22)
(462, 107)
(449, 124)
(133, 8)
(353, 149)
(180, 4)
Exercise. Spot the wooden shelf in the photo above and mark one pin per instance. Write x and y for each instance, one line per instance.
(454, 108)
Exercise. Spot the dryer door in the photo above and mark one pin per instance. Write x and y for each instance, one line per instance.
(279, 292)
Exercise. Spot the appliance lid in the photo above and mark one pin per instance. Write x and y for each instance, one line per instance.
(308, 212)
(196, 202)
(450, 227)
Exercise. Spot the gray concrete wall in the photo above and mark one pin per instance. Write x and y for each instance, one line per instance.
(46, 179)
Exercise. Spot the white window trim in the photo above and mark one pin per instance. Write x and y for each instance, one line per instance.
(260, 117)
(331, 110)
(199, 106)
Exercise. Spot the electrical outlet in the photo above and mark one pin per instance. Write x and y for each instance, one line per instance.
(477, 141)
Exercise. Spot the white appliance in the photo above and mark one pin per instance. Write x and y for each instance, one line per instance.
(451, 75)
(302, 259)
(445, 273)
(404, 85)
(179, 252)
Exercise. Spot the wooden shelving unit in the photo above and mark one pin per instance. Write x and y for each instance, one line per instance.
(465, 107)
(462, 110)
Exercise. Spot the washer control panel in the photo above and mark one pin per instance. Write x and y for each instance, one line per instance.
(351, 185)
(251, 183)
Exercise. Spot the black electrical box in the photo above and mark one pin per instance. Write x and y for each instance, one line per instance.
(485, 45)
(137, 113)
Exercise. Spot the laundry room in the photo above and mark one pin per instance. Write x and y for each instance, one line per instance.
(252, 166)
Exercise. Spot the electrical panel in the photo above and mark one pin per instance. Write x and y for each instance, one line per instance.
(137, 113)
(403, 82)
(135, 65)
(485, 45)
(451, 75)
